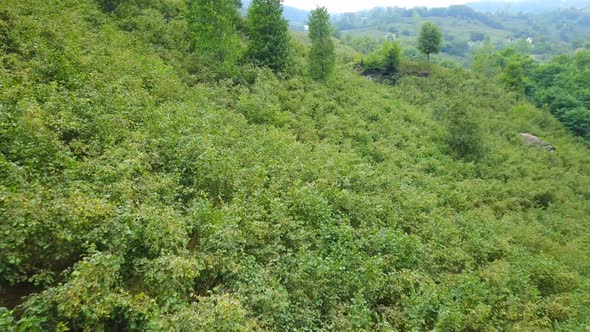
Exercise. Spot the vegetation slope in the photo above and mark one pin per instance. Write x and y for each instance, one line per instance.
(138, 194)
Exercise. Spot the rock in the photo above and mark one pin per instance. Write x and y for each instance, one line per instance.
(533, 140)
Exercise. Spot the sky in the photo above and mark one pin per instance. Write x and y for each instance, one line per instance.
(356, 5)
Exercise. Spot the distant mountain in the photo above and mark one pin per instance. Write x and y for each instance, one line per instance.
(527, 6)
(295, 16)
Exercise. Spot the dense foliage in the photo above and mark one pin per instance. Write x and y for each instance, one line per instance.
(140, 192)
(385, 61)
(214, 33)
(561, 85)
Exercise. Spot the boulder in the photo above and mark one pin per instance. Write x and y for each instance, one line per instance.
(533, 140)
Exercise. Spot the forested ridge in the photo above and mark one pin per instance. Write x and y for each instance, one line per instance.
(146, 187)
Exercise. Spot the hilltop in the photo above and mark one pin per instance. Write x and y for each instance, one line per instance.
(140, 192)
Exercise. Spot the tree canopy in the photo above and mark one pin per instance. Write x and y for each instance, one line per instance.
(430, 39)
(213, 32)
(560, 85)
(268, 35)
(385, 60)
(321, 57)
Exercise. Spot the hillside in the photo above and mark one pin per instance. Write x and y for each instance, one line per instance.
(527, 6)
(138, 192)
(465, 30)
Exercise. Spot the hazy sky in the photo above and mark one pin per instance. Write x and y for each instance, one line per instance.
(355, 5)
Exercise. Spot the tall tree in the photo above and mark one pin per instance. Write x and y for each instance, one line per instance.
(214, 34)
(514, 76)
(322, 57)
(269, 34)
(430, 40)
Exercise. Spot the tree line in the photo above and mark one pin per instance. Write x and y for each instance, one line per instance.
(218, 33)
(387, 15)
(561, 85)
(386, 60)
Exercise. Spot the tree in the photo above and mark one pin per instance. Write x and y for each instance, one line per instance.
(477, 36)
(268, 32)
(514, 76)
(464, 138)
(578, 121)
(321, 58)
(485, 61)
(430, 40)
(214, 35)
(385, 60)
